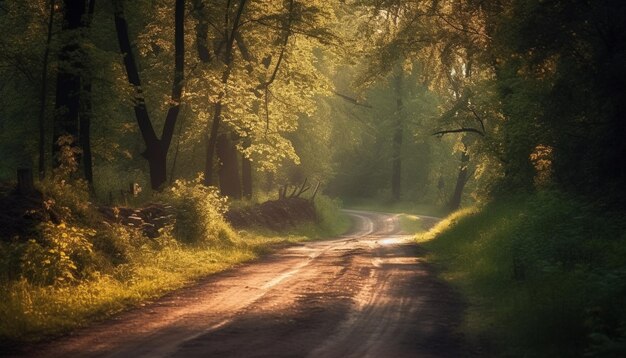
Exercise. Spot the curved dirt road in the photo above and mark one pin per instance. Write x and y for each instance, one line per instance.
(365, 294)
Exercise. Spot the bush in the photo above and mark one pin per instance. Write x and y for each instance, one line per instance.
(199, 211)
(61, 255)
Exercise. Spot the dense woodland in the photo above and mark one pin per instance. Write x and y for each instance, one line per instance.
(512, 107)
(257, 95)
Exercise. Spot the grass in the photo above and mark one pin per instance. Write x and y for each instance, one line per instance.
(120, 268)
(544, 275)
(31, 312)
(411, 224)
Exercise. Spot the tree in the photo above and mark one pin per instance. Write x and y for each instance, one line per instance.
(71, 64)
(43, 95)
(156, 148)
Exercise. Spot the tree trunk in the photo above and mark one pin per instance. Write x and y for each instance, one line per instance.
(246, 173)
(85, 131)
(86, 109)
(211, 142)
(215, 125)
(230, 184)
(25, 185)
(396, 145)
(462, 178)
(42, 96)
(67, 105)
(156, 149)
(156, 156)
(202, 30)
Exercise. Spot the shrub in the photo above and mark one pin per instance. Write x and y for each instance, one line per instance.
(62, 255)
(199, 211)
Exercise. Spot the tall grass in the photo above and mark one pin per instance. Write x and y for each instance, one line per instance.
(545, 275)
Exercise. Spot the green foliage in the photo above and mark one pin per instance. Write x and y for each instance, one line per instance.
(62, 255)
(31, 311)
(65, 193)
(542, 274)
(199, 212)
(118, 244)
(331, 220)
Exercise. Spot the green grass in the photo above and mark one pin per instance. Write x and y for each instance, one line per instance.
(118, 268)
(544, 275)
(411, 224)
(31, 312)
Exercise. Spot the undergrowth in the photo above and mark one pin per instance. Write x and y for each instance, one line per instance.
(81, 269)
(545, 275)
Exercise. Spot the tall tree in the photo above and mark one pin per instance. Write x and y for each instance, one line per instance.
(156, 148)
(43, 95)
(226, 56)
(71, 65)
(86, 108)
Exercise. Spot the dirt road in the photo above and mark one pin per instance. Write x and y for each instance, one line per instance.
(365, 294)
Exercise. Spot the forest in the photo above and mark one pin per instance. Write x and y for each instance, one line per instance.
(149, 143)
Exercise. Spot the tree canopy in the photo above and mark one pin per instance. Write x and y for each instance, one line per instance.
(406, 100)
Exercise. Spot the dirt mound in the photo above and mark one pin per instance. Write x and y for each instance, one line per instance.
(150, 219)
(276, 214)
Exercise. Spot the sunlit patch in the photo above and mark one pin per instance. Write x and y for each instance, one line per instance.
(390, 241)
(403, 260)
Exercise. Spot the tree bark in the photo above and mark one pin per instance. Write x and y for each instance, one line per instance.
(86, 109)
(202, 31)
(68, 90)
(156, 149)
(462, 179)
(85, 131)
(217, 114)
(42, 96)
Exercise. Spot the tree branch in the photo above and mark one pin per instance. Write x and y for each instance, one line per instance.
(478, 118)
(352, 100)
(459, 130)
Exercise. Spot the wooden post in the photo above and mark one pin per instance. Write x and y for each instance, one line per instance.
(25, 184)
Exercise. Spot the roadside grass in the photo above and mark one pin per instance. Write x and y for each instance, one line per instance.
(31, 312)
(331, 221)
(544, 275)
(411, 224)
(82, 271)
